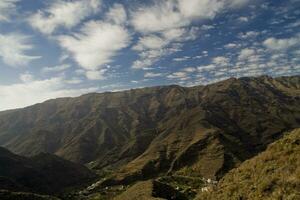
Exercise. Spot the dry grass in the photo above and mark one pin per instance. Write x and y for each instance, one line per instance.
(273, 174)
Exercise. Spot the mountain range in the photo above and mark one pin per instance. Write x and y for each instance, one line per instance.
(173, 131)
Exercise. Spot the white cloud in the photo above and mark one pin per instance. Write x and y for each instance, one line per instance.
(184, 58)
(281, 44)
(73, 81)
(143, 63)
(249, 34)
(221, 61)
(150, 42)
(149, 57)
(96, 44)
(63, 14)
(243, 19)
(294, 24)
(207, 27)
(180, 34)
(206, 68)
(200, 9)
(170, 14)
(57, 68)
(158, 17)
(13, 49)
(231, 46)
(189, 69)
(154, 46)
(96, 74)
(246, 53)
(178, 75)
(165, 23)
(7, 8)
(183, 75)
(152, 75)
(36, 91)
(26, 77)
(117, 14)
(252, 61)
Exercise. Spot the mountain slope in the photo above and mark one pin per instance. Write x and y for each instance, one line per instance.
(44, 173)
(199, 131)
(273, 174)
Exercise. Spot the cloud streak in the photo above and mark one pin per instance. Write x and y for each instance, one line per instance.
(7, 9)
(14, 49)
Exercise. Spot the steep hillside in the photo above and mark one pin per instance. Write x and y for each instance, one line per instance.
(44, 173)
(198, 131)
(273, 174)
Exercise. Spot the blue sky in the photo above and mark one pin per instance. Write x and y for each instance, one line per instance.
(57, 48)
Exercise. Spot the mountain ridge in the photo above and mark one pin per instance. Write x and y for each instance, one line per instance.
(168, 129)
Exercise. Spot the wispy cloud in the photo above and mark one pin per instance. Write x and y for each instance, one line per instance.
(182, 76)
(65, 14)
(152, 47)
(152, 75)
(248, 35)
(96, 74)
(26, 77)
(14, 49)
(181, 59)
(117, 14)
(7, 8)
(58, 68)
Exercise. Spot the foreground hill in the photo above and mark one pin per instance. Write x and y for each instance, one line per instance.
(44, 173)
(273, 174)
(198, 131)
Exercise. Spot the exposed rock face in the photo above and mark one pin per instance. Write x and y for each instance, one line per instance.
(273, 174)
(44, 173)
(203, 130)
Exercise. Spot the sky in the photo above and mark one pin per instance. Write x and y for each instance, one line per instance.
(62, 48)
